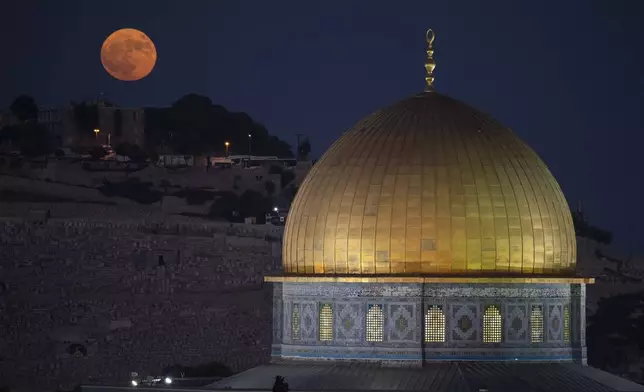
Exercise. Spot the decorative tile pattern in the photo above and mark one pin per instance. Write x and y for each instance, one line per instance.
(464, 322)
(555, 323)
(516, 323)
(412, 290)
(348, 322)
(353, 290)
(309, 321)
(492, 291)
(401, 322)
(277, 320)
(406, 324)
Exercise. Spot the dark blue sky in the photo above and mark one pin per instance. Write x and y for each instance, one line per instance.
(565, 75)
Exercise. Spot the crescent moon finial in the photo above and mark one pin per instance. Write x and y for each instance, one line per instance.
(430, 36)
(430, 64)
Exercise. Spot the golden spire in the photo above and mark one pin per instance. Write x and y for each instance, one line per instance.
(430, 64)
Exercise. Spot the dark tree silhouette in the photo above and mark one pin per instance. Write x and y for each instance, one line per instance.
(132, 189)
(24, 108)
(193, 125)
(34, 140)
(9, 133)
(586, 230)
(254, 204)
(132, 151)
(286, 177)
(97, 152)
(305, 149)
(269, 186)
(226, 206)
(615, 330)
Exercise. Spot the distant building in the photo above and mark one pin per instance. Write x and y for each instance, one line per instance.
(130, 128)
(115, 124)
(60, 123)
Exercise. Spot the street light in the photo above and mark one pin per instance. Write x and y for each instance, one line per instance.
(249, 140)
(227, 144)
(96, 131)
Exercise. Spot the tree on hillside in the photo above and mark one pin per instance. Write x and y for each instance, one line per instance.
(24, 108)
(286, 177)
(194, 125)
(132, 151)
(97, 152)
(9, 134)
(614, 331)
(34, 140)
(269, 186)
(254, 204)
(226, 206)
(586, 230)
(290, 192)
(304, 149)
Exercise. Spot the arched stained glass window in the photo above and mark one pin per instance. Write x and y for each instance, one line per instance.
(375, 323)
(326, 322)
(566, 323)
(492, 325)
(435, 324)
(536, 324)
(295, 322)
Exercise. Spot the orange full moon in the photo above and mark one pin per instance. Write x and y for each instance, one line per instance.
(128, 54)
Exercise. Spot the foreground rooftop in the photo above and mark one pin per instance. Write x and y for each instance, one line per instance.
(454, 376)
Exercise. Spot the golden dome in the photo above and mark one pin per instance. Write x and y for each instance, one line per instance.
(429, 185)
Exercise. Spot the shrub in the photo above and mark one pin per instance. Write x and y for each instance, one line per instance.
(274, 169)
(132, 189)
(226, 206)
(286, 177)
(254, 204)
(195, 196)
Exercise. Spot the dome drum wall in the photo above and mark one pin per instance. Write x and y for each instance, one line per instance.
(429, 186)
(407, 323)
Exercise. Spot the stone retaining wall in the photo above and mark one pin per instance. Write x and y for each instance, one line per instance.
(92, 301)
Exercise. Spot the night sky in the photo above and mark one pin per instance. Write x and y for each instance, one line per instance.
(566, 76)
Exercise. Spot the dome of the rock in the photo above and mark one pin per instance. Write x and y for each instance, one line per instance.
(429, 186)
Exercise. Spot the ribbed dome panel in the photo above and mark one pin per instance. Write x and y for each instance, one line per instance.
(429, 186)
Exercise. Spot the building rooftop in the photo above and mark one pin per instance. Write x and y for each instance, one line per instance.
(454, 376)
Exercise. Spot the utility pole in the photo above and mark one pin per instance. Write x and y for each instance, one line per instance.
(297, 135)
